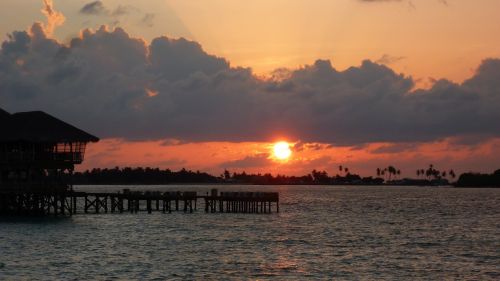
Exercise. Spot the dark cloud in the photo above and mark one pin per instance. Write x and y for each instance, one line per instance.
(117, 86)
(94, 8)
(98, 8)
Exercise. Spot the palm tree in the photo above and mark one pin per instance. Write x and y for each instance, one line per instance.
(452, 174)
(392, 171)
(430, 171)
(378, 172)
(398, 172)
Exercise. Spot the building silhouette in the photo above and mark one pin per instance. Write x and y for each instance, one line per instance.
(37, 150)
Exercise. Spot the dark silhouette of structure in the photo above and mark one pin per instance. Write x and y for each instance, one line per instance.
(133, 202)
(37, 150)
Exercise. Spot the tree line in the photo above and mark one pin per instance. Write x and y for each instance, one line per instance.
(479, 180)
(139, 175)
(388, 175)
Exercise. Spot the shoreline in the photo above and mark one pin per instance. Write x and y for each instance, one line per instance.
(257, 184)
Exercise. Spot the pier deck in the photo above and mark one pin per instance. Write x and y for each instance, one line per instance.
(68, 203)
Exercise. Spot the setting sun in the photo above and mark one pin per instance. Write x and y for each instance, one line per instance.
(282, 150)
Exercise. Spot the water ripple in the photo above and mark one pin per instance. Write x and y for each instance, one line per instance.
(321, 233)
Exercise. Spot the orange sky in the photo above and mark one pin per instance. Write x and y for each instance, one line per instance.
(214, 157)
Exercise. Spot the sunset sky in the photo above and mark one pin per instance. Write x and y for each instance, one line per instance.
(213, 84)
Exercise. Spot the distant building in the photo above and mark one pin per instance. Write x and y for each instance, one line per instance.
(37, 150)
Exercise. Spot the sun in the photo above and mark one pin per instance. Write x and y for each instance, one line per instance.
(282, 150)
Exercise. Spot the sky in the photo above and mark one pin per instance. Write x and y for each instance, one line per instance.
(211, 85)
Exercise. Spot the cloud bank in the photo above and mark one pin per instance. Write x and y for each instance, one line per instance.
(116, 86)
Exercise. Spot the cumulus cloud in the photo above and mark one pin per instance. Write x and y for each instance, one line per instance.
(117, 86)
(54, 18)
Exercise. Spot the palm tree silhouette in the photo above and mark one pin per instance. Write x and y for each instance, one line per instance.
(452, 174)
(392, 171)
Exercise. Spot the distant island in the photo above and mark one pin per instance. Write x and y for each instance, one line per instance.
(150, 176)
(479, 180)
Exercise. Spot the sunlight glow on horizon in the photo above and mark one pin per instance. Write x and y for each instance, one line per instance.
(282, 151)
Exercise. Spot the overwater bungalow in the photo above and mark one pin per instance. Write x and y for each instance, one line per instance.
(37, 149)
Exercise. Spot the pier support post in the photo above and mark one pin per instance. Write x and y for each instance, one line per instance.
(105, 204)
(74, 204)
(120, 204)
(63, 204)
(113, 203)
(148, 202)
(56, 208)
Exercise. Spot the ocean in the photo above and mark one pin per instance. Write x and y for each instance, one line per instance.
(320, 233)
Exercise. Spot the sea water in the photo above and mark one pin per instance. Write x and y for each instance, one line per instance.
(321, 232)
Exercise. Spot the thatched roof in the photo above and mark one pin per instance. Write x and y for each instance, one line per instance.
(38, 126)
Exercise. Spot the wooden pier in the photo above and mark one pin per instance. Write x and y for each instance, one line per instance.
(69, 203)
(241, 202)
